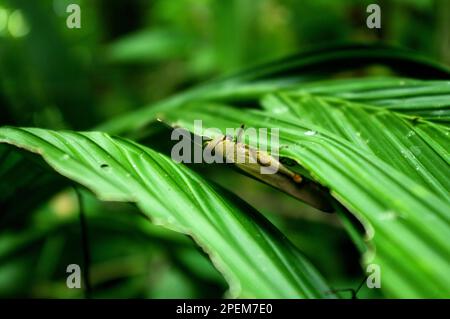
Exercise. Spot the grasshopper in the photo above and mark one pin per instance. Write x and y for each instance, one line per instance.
(251, 161)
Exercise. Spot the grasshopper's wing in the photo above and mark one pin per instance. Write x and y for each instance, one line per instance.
(306, 191)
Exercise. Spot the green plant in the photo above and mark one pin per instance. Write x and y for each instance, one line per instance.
(379, 144)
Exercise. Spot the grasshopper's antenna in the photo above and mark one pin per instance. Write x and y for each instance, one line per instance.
(166, 124)
(239, 133)
(174, 126)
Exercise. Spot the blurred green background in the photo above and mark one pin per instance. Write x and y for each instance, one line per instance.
(128, 54)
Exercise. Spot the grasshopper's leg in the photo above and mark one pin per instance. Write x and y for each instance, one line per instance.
(354, 292)
(286, 171)
(239, 133)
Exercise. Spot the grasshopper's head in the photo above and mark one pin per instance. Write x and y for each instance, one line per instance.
(211, 144)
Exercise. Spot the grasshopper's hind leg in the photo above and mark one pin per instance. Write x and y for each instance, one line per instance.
(239, 133)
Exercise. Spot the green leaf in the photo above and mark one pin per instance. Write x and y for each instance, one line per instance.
(149, 46)
(273, 76)
(405, 211)
(254, 257)
(427, 99)
(329, 59)
(387, 135)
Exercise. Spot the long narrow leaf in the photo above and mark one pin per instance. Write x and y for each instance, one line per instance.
(407, 223)
(254, 257)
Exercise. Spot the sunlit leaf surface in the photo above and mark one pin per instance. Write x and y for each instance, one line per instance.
(390, 172)
(255, 258)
